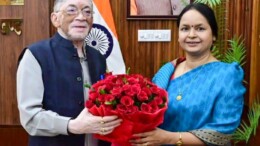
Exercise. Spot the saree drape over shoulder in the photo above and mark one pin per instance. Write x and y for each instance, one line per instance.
(212, 100)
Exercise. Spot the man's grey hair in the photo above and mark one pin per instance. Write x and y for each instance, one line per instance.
(59, 3)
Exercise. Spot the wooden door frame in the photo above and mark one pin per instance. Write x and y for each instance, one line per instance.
(254, 89)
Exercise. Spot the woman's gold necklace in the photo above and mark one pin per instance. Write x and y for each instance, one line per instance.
(180, 92)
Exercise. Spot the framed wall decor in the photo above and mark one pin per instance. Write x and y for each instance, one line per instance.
(155, 9)
(11, 2)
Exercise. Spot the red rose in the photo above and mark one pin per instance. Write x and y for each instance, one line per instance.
(132, 80)
(109, 98)
(158, 100)
(116, 91)
(154, 105)
(130, 93)
(126, 87)
(121, 108)
(132, 109)
(142, 96)
(147, 91)
(126, 101)
(119, 81)
(93, 95)
(150, 84)
(163, 93)
(111, 78)
(101, 89)
(155, 90)
(101, 98)
(129, 90)
(136, 88)
(89, 103)
(108, 85)
(109, 108)
(146, 108)
(97, 84)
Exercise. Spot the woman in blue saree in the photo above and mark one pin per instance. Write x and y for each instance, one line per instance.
(205, 95)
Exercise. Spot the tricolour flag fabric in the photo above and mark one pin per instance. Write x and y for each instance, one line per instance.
(103, 36)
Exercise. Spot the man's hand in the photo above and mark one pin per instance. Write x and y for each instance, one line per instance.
(88, 123)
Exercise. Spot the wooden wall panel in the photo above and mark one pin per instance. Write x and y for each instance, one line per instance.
(8, 54)
(13, 136)
(37, 21)
(255, 52)
(254, 90)
(240, 24)
(35, 26)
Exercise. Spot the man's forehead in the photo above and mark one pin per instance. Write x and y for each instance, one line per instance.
(82, 3)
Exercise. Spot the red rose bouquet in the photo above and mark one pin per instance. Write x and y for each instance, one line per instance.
(135, 99)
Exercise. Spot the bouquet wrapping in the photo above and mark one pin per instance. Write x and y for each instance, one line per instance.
(135, 99)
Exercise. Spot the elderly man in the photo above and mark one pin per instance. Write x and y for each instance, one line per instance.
(50, 79)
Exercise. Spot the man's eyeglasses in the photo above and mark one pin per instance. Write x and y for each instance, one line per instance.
(73, 11)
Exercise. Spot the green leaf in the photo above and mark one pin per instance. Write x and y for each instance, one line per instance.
(237, 52)
(216, 53)
(87, 86)
(128, 71)
(97, 102)
(211, 3)
(151, 98)
(102, 91)
(124, 80)
(246, 130)
(161, 105)
(108, 103)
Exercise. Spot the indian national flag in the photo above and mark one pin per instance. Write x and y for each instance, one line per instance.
(104, 38)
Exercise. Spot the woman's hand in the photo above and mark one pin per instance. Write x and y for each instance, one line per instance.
(152, 138)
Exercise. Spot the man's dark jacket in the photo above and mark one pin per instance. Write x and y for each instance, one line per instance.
(63, 83)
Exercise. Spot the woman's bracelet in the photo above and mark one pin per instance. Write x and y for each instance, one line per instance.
(179, 142)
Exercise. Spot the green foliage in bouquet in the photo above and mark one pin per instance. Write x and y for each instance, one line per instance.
(248, 129)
